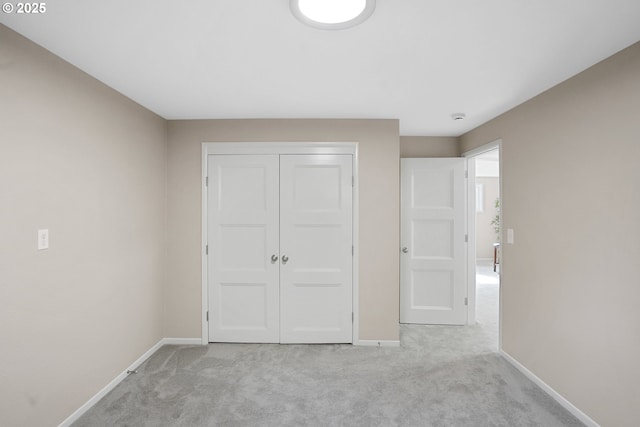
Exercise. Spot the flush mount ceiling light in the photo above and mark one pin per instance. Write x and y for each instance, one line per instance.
(332, 14)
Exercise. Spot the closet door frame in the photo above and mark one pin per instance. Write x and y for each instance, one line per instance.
(247, 148)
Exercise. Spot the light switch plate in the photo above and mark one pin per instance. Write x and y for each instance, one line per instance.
(43, 239)
(510, 236)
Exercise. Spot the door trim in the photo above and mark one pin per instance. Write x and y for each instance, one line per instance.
(337, 147)
(471, 230)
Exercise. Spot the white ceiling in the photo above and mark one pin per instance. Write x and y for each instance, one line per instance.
(415, 60)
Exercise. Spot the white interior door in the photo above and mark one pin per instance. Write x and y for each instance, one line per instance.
(243, 238)
(316, 249)
(433, 253)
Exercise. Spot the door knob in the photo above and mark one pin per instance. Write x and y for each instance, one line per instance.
(285, 259)
(274, 259)
(405, 250)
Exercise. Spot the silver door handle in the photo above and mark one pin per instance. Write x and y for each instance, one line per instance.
(274, 259)
(285, 259)
(405, 250)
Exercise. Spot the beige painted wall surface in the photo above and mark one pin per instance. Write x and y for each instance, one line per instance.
(429, 146)
(571, 192)
(485, 233)
(88, 164)
(379, 216)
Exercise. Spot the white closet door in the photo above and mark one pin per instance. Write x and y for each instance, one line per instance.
(243, 238)
(433, 256)
(316, 248)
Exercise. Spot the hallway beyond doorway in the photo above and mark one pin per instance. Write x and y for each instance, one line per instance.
(487, 297)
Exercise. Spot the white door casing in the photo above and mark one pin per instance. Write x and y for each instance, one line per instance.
(433, 249)
(243, 236)
(253, 295)
(471, 230)
(316, 242)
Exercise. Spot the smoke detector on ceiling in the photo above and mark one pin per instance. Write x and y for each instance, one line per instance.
(458, 116)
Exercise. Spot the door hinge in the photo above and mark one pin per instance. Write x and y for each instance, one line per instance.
(353, 317)
(206, 249)
(206, 181)
(353, 250)
(353, 181)
(466, 238)
(207, 316)
(466, 301)
(466, 174)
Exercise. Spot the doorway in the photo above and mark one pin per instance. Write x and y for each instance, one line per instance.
(484, 224)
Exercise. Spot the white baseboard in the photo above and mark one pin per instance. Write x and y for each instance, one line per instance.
(378, 343)
(117, 380)
(551, 392)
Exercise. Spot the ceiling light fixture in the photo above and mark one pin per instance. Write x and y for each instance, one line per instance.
(332, 14)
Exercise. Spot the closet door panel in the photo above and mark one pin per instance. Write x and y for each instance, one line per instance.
(316, 249)
(242, 198)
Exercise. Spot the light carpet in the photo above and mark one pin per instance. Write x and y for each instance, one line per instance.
(440, 376)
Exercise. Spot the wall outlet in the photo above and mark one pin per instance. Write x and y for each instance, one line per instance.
(510, 236)
(43, 239)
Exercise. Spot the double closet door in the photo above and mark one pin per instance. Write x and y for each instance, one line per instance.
(280, 248)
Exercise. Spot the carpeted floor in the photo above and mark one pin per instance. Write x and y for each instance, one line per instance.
(440, 376)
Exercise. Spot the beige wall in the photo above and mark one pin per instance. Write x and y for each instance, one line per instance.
(378, 162)
(571, 192)
(429, 146)
(83, 161)
(485, 232)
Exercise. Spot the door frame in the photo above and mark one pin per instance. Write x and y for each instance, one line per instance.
(471, 231)
(346, 147)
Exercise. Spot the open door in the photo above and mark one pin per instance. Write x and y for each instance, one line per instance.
(433, 243)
